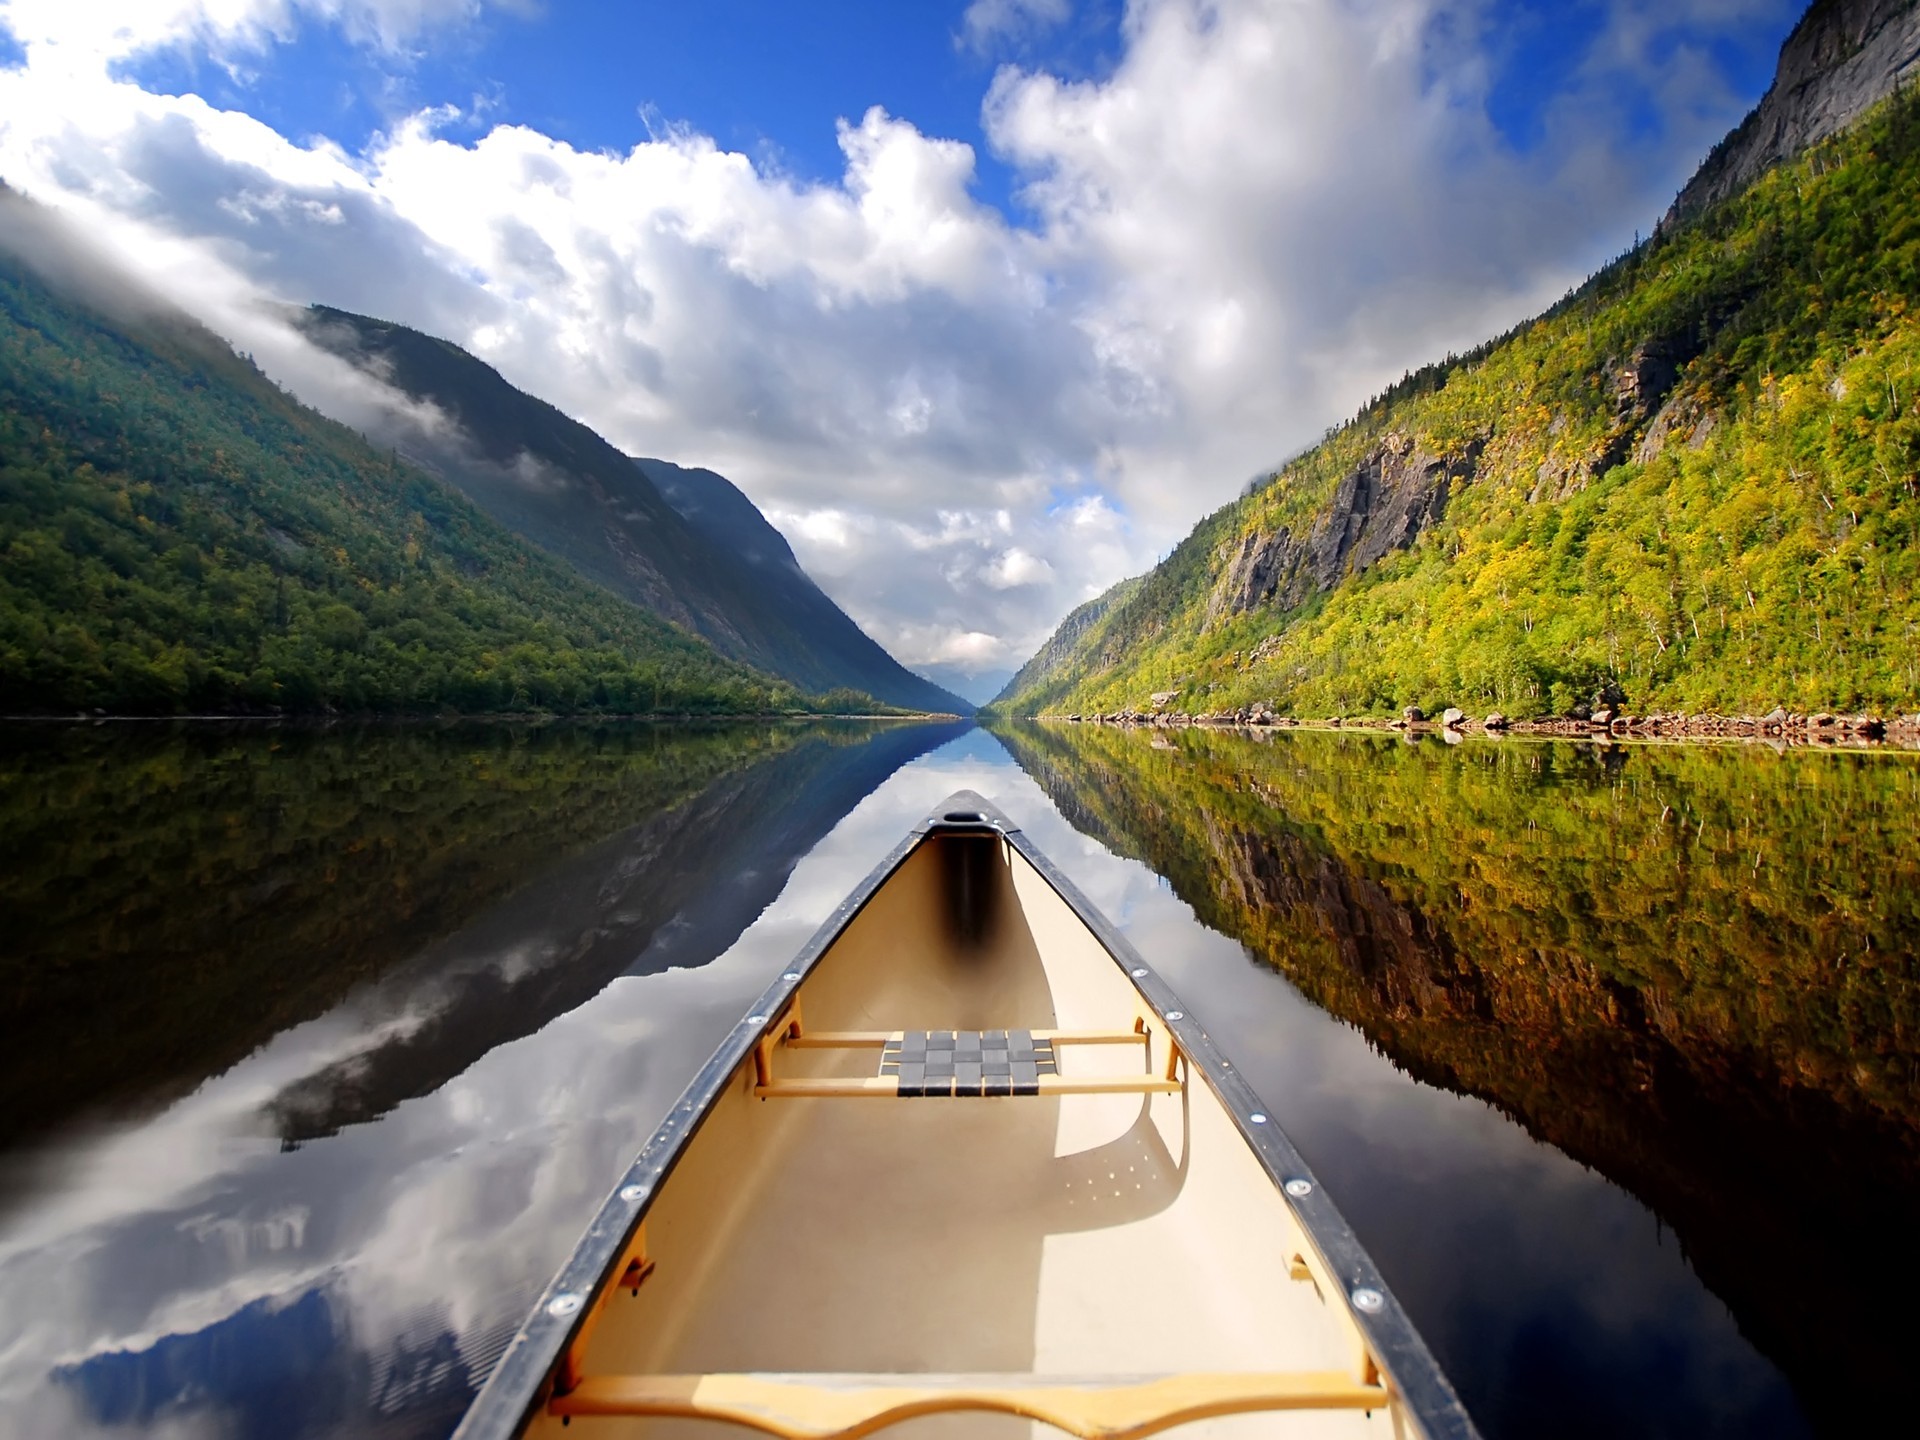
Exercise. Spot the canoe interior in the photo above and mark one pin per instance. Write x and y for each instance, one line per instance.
(1097, 1235)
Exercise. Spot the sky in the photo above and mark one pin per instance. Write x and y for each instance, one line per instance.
(984, 304)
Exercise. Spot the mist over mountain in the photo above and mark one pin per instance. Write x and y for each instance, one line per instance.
(183, 535)
(684, 543)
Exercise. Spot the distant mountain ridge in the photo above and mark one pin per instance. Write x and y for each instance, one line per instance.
(684, 543)
(1054, 657)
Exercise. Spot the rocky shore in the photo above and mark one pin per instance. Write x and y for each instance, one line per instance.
(1779, 726)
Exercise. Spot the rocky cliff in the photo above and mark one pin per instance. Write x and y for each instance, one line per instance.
(1398, 489)
(1692, 482)
(1841, 58)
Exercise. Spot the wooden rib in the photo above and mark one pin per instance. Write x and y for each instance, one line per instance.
(845, 1407)
(876, 1039)
(888, 1086)
(630, 1270)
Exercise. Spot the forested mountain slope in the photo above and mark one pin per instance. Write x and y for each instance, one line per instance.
(1697, 479)
(828, 648)
(713, 570)
(1062, 651)
(178, 534)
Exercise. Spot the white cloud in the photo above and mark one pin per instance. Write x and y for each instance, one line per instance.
(82, 33)
(1015, 568)
(1265, 211)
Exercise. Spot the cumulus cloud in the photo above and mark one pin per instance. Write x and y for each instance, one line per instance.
(966, 425)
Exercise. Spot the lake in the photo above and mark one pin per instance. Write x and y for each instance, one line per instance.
(324, 1043)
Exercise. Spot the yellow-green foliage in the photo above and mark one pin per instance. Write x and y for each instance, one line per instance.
(1765, 553)
(1690, 967)
(1535, 884)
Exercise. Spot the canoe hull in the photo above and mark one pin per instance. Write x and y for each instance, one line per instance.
(802, 1219)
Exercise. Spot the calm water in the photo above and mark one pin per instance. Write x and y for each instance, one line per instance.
(321, 1047)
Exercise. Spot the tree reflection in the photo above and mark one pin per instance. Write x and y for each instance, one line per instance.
(1691, 968)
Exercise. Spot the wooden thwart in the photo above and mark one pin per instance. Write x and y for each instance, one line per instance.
(885, 1087)
(789, 1033)
(845, 1407)
(878, 1039)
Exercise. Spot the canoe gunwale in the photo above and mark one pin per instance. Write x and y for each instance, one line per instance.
(1395, 1344)
(520, 1383)
(522, 1380)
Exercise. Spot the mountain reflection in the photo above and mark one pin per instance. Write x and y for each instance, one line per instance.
(360, 919)
(1692, 969)
(674, 890)
(174, 897)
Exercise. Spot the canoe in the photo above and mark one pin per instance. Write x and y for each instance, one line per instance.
(1084, 1222)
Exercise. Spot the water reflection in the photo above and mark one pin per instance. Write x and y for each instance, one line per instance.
(378, 919)
(174, 896)
(1693, 969)
(315, 1192)
(674, 890)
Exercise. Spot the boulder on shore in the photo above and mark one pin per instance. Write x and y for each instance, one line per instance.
(1453, 717)
(1495, 721)
(1413, 715)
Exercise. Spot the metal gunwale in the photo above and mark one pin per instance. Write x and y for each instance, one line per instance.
(522, 1380)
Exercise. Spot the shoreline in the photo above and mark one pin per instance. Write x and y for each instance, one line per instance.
(485, 717)
(1779, 730)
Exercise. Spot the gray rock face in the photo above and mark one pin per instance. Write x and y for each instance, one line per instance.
(1640, 384)
(1842, 57)
(1380, 506)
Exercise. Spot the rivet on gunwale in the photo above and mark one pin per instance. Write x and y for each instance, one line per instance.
(1298, 1189)
(1176, 1014)
(791, 975)
(631, 1193)
(1257, 1118)
(563, 1304)
(1369, 1300)
(1139, 974)
(756, 1019)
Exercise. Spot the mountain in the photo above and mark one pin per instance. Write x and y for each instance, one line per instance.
(964, 680)
(835, 651)
(707, 561)
(1842, 58)
(182, 535)
(1691, 483)
(1056, 658)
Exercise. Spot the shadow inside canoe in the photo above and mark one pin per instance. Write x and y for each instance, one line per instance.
(923, 1236)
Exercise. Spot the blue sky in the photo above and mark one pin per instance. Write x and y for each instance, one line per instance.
(771, 78)
(766, 79)
(984, 303)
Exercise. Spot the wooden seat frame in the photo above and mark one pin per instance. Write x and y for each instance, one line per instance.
(790, 1034)
(849, 1406)
(846, 1407)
